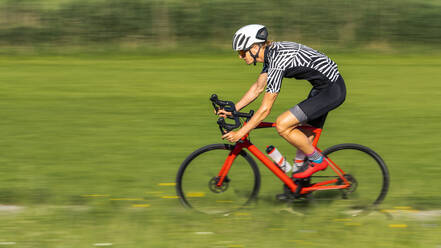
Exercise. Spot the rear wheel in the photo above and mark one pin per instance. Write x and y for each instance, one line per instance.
(363, 168)
(196, 181)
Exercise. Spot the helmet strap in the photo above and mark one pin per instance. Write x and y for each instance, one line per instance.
(255, 55)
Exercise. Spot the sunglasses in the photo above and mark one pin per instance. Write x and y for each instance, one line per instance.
(242, 53)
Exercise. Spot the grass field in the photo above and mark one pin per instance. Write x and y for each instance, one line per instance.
(90, 147)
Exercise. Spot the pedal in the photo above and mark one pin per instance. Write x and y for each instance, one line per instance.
(286, 196)
(291, 196)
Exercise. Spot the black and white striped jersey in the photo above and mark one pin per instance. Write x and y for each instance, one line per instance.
(293, 60)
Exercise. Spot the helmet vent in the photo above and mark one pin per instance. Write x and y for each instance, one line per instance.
(245, 43)
(241, 41)
(235, 40)
(262, 34)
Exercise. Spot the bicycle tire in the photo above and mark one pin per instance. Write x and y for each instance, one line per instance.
(342, 155)
(205, 193)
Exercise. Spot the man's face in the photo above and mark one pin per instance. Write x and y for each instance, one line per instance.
(246, 56)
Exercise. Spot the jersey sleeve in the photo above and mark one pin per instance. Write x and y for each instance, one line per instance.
(274, 81)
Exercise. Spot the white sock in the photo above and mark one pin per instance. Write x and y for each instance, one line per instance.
(298, 161)
(300, 156)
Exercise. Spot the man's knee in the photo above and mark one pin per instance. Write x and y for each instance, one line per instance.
(284, 125)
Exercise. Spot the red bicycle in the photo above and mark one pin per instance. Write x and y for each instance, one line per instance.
(220, 178)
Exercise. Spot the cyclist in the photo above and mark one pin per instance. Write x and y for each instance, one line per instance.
(289, 60)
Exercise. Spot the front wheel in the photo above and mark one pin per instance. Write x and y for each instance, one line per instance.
(196, 181)
(366, 171)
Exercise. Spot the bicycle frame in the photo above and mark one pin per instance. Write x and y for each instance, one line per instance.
(244, 143)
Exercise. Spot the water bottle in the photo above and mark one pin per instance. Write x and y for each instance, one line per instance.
(277, 157)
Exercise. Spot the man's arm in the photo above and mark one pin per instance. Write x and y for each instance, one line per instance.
(255, 90)
(263, 111)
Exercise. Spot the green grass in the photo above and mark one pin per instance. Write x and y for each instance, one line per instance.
(80, 132)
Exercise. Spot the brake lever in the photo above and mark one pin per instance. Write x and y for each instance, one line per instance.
(229, 107)
(223, 126)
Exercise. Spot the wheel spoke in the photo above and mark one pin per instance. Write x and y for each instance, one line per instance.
(199, 173)
(364, 170)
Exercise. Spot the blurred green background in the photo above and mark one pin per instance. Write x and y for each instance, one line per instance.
(206, 23)
(100, 102)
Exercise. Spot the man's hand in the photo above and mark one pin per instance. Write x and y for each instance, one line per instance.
(222, 113)
(263, 111)
(232, 136)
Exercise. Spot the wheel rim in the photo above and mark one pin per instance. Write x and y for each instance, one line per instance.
(197, 183)
(364, 169)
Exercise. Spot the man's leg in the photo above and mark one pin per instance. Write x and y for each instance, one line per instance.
(300, 157)
(286, 126)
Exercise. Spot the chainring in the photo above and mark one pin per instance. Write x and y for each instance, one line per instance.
(299, 182)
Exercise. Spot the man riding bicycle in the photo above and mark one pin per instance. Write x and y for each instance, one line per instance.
(290, 60)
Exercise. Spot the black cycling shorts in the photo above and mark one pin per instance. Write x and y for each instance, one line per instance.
(319, 102)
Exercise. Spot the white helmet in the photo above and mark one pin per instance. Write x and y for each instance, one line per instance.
(247, 35)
